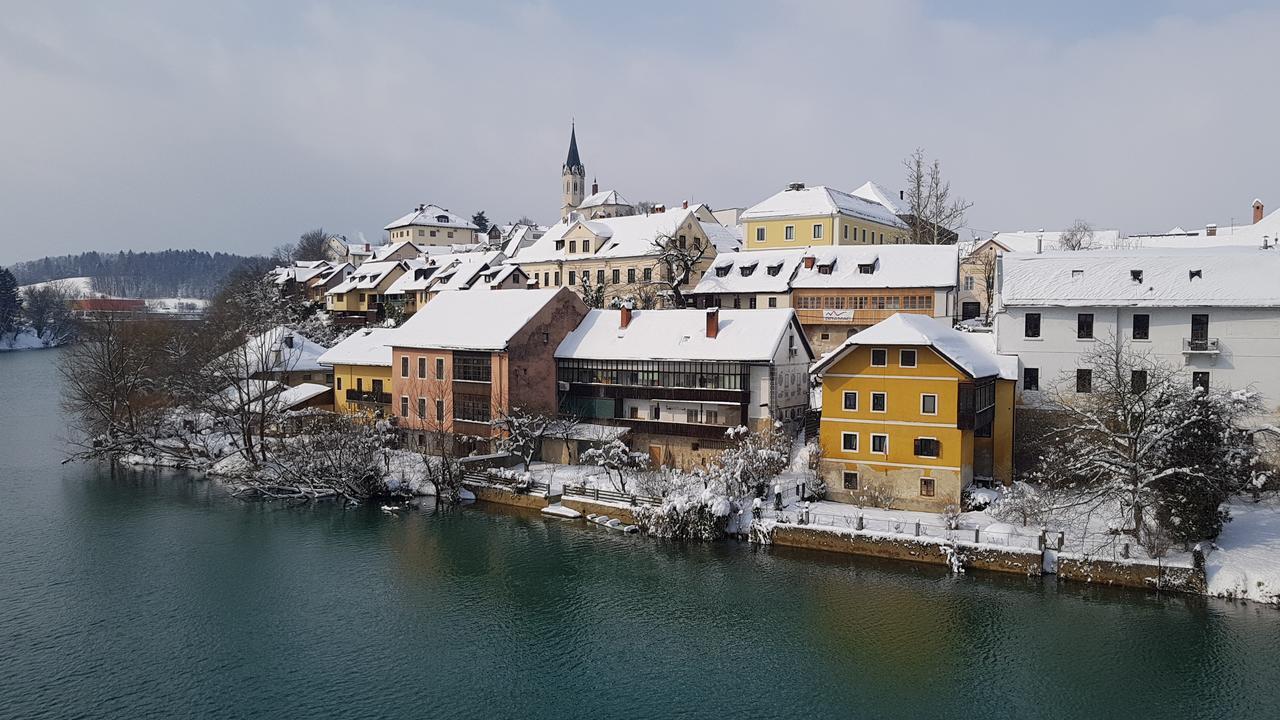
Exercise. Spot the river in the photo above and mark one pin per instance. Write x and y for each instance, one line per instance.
(127, 594)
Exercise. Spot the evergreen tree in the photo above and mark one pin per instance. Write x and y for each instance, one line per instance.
(480, 221)
(10, 303)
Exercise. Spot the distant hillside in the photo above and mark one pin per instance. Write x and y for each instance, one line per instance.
(164, 274)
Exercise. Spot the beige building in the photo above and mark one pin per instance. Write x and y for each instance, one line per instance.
(433, 225)
(802, 216)
(361, 294)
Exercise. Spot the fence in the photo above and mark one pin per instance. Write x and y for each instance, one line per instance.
(595, 493)
(519, 486)
(911, 528)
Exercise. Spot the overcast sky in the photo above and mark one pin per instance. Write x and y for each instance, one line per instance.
(237, 125)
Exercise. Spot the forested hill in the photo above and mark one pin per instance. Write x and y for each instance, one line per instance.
(168, 273)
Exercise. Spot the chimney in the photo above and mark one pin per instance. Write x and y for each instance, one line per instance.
(1040, 241)
(902, 194)
(685, 206)
(658, 209)
(795, 186)
(1211, 230)
(808, 262)
(1257, 211)
(624, 318)
(595, 187)
(366, 247)
(713, 322)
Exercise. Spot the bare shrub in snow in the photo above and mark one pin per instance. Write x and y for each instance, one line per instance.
(751, 461)
(340, 457)
(620, 462)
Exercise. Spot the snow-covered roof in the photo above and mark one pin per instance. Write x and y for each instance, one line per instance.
(431, 216)
(604, 197)
(382, 252)
(298, 394)
(367, 276)
(974, 353)
(280, 349)
(821, 200)
(841, 266)
(1239, 277)
(628, 236)
(370, 347)
(473, 321)
(1253, 236)
(1027, 241)
(744, 335)
(870, 190)
(520, 237)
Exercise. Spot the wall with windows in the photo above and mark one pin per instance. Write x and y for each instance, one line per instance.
(840, 230)
(430, 235)
(1237, 347)
(360, 380)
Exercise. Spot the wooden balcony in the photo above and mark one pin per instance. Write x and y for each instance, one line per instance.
(862, 317)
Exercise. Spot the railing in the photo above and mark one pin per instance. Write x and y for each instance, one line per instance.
(1200, 345)
(595, 493)
(368, 397)
(911, 528)
(702, 431)
(511, 484)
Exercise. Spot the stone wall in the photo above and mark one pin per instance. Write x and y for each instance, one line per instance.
(1174, 578)
(502, 496)
(978, 557)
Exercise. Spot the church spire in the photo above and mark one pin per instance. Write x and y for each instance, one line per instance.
(573, 164)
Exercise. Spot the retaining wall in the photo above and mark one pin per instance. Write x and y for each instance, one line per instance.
(1172, 578)
(978, 557)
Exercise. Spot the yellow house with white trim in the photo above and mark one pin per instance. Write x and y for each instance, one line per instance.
(912, 412)
(361, 366)
(810, 216)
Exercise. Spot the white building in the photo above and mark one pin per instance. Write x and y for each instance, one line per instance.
(1214, 313)
(680, 378)
(432, 225)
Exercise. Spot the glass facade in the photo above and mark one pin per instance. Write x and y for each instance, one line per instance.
(653, 373)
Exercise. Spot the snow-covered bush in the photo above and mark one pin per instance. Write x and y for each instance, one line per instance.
(751, 461)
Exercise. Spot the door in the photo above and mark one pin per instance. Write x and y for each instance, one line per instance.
(1199, 332)
(377, 390)
(655, 455)
(970, 310)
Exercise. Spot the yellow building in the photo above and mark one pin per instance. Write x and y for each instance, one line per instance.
(432, 225)
(362, 292)
(361, 367)
(808, 216)
(912, 412)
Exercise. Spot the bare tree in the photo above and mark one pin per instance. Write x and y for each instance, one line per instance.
(1077, 237)
(618, 460)
(312, 245)
(48, 309)
(337, 458)
(982, 268)
(594, 294)
(677, 260)
(935, 213)
(524, 431)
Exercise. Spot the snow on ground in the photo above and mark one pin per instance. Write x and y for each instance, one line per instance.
(176, 305)
(77, 286)
(1245, 562)
(26, 339)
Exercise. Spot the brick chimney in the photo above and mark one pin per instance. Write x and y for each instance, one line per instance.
(1257, 211)
(713, 322)
(659, 209)
(685, 206)
(624, 317)
(595, 187)
(1211, 230)
(808, 262)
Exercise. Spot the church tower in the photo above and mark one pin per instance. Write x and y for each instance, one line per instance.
(573, 178)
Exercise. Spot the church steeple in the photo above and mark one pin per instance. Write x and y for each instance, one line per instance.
(573, 177)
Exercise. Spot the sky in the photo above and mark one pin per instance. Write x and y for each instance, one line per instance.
(238, 125)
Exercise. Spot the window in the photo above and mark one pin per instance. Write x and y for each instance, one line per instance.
(907, 358)
(927, 487)
(557, 277)
(439, 368)
(404, 366)
(691, 416)
(879, 444)
(846, 232)
(817, 231)
(404, 406)
(851, 400)
(1084, 380)
(712, 417)
(648, 274)
(633, 412)
(422, 368)
(617, 276)
(573, 277)
(655, 412)
(927, 447)
(759, 234)
(968, 282)
(546, 279)
(573, 246)
(879, 402)
(825, 336)
(773, 302)
(1199, 332)
(473, 408)
(476, 367)
(789, 232)
(1084, 326)
(879, 357)
(1031, 325)
(1031, 379)
(600, 276)
(422, 408)
(751, 302)
(339, 383)
(1138, 381)
(928, 404)
(631, 275)
(850, 480)
(1142, 327)
(849, 441)
(1200, 380)
(439, 410)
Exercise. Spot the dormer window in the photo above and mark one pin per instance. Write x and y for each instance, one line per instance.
(559, 245)
(442, 218)
(1077, 274)
(723, 270)
(1135, 275)
(866, 268)
(747, 269)
(774, 269)
(825, 269)
(1193, 274)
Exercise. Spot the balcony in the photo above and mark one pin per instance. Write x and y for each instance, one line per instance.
(1200, 346)
(679, 429)
(372, 398)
